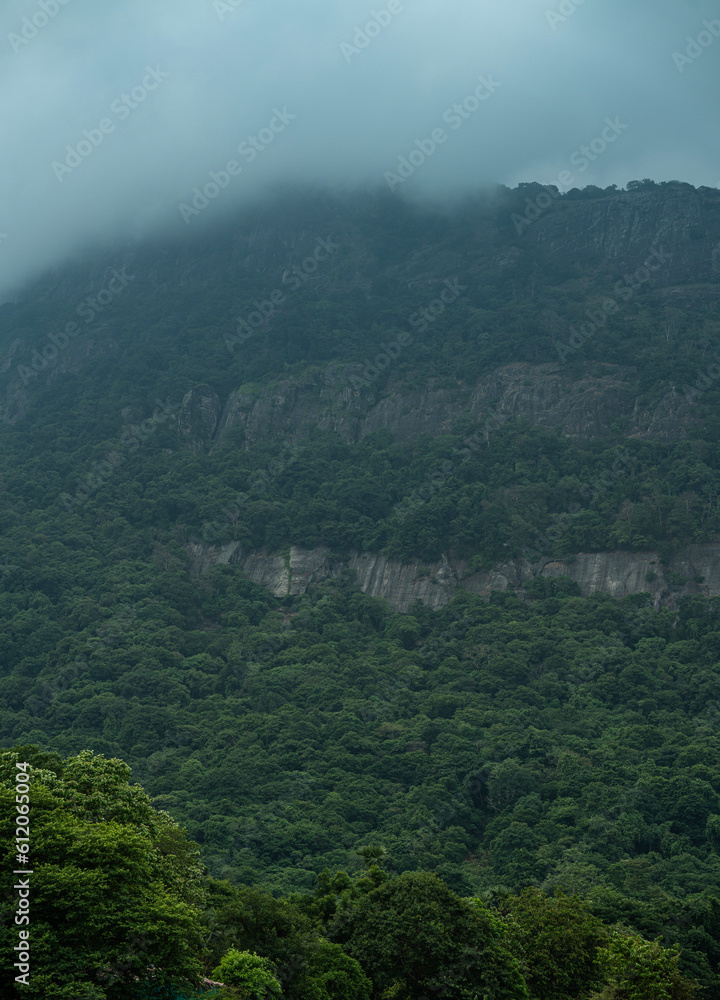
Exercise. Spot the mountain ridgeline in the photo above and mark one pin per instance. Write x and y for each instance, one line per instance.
(483, 376)
(368, 530)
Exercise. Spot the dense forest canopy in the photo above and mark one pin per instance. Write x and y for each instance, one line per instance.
(529, 774)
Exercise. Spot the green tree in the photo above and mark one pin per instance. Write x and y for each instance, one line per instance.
(330, 974)
(559, 939)
(114, 884)
(636, 969)
(712, 831)
(254, 977)
(372, 854)
(415, 938)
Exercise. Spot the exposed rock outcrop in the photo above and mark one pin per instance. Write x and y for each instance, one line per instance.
(675, 219)
(199, 414)
(696, 570)
(546, 395)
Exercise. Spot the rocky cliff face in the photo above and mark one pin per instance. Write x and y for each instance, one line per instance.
(694, 571)
(627, 227)
(546, 395)
(587, 238)
(199, 414)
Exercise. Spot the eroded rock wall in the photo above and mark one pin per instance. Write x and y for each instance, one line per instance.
(696, 570)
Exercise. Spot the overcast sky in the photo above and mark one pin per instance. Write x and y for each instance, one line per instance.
(161, 93)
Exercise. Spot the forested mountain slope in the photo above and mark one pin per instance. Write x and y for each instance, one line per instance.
(476, 386)
(473, 385)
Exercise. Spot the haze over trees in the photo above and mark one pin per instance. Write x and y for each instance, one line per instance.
(313, 796)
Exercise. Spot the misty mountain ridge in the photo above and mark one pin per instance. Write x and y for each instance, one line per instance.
(364, 529)
(358, 316)
(578, 244)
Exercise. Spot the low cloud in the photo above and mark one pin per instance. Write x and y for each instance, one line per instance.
(114, 116)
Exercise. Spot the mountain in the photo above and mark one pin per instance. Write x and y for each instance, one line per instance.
(449, 338)
(229, 459)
